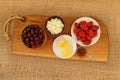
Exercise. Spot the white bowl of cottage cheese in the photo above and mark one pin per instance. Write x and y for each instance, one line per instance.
(54, 25)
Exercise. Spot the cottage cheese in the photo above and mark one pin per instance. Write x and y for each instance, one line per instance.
(55, 26)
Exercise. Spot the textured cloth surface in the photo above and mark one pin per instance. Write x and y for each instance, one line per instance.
(16, 67)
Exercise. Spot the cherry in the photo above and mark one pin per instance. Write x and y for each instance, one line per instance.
(29, 34)
(32, 32)
(33, 36)
(32, 42)
(27, 39)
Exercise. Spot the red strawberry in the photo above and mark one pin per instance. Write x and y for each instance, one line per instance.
(83, 23)
(82, 33)
(84, 27)
(89, 38)
(83, 39)
(95, 33)
(87, 42)
(87, 31)
(94, 27)
(91, 33)
(89, 24)
(78, 37)
(75, 31)
(76, 24)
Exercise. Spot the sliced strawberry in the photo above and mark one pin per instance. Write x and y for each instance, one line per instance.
(94, 27)
(89, 38)
(82, 33)
(84, 27)
(83, 23)
(87, 42)
(91, 33)
(83, 39)
(75, 31)
(89, 24)
(76, 24)
(78, 37)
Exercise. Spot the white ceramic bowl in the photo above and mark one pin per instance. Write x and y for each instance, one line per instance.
(88, 19)
(58, 51)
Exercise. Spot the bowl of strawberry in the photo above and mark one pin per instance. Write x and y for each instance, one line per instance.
(33, 36)
(85, 31)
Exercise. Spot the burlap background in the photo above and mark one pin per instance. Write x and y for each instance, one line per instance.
(15, 67)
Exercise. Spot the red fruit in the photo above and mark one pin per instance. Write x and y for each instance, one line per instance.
(78, 37)
(75, 31)
(25, 35)
(89, 38)
(36, 38)
(83, 23)
(83, 39)
(91, 33)
(95, 33)
(89, 24)
(41, 36)
(36, 26)
(87, 42)
(34, 35)
(29, 34)
(39, 45)
(32, 42)
(36, 42)
(94, 27)
(33, 46)
(32, 32)
(82, 33)
(41, 30)
(31, 38)
(27, 39)
(87, 31)
(84, 27)
(24, 31)
(76, 24)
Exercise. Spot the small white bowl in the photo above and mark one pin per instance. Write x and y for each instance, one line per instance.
(58, 51)
(87, 19)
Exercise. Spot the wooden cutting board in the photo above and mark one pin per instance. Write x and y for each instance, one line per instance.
(99, 50)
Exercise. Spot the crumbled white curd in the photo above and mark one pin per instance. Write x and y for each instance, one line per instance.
(55, 26)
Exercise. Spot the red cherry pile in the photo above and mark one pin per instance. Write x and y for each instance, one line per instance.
(33, 36)
(85, 31)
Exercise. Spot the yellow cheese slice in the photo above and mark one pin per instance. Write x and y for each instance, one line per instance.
(66, 48)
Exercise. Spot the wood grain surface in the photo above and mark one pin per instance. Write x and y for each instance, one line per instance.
(98, 50)
(17, 67)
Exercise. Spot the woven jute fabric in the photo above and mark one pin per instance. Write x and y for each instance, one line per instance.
(16, 67)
